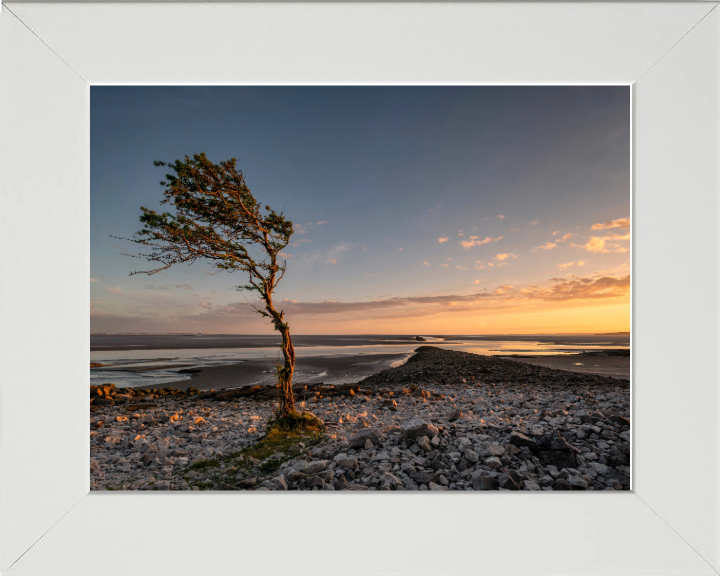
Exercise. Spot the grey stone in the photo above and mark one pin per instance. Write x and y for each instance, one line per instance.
(520, 440)
(471, 456)
(417, 428)
(424, 443)
(493, 462)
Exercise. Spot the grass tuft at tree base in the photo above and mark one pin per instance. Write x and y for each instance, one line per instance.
(293, 423)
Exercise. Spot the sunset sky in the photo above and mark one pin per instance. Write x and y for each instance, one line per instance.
(417, 210)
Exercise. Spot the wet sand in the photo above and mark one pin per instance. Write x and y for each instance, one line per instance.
(613, 366)
(336, 369)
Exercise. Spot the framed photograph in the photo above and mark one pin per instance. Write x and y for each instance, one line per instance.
(477, 207)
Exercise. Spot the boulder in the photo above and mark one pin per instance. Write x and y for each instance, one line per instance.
(510, 481)
(362, 437)
(351, 463)
(481, 480)
(520, 440)
(417, 428)
(424, 443)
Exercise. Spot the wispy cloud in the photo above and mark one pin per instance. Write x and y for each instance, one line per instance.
(442, 239)
(619, 223)
(503, 289)
(93, 279)
(322, 222)
(546, 246)
(426, 264)
(460, 267)
(582, 289)
(600, 244)
(534, 222)
(475, 241)
(501, 257)
(479, 265)
(500, 216)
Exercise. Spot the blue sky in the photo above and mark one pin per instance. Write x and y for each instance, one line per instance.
(375, 178)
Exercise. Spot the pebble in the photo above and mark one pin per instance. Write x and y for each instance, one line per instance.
(494, 431)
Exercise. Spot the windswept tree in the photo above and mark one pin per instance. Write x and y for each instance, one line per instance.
(217, 218)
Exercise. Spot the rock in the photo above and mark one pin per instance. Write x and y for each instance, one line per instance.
(423, 477)
(362, 437)
(455, 415)
(351, 463)
(493, 462)
(280, 484)
(247, 483)
(520, 440)
(471, 456)
(390, 404)
(434, 486)
(510, 481)
(341, 483)
(496, 450)
(315, 466)
(481, 480)
(617, 419)
(294, 475)
(556, 451)
(314, 481)
(600, 469)
(417, 428)
(577, 483)
(512, 449)
(562, 484)
(229, 395)
(389, 482)
(424, 443)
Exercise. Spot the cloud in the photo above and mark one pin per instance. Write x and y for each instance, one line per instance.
(500, 216)
(449, 259)
(460, 267)
(445, 265)
(546, 246)
(299, 229)
(503, 289)
(479, 265)
(556, 232)
(475, 241)
(619, 223)
(301, 241)
(442, 239)
(322, 222)
(582, 289)
(93, 279)
(118, 291)
(426, 264)
(285, 255)
(595, 244)
(400, 249)
(534, 222)
(330, 256)
(476, 282)
(581, 263)
(566, 265)
(501, 257)
(566, 237)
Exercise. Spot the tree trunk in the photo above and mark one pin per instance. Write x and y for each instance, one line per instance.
(285, 373)
(287, 400)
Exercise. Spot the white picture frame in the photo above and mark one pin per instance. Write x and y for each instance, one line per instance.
(50, 54)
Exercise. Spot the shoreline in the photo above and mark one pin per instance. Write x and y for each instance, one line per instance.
(444, 420)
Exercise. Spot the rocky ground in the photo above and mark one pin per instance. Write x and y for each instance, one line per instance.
(445, 420)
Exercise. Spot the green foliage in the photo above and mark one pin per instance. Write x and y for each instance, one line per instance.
(214, 217)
